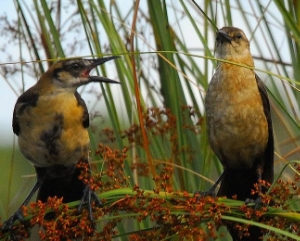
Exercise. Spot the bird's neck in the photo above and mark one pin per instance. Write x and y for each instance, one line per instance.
(48, 88)
(240, 58)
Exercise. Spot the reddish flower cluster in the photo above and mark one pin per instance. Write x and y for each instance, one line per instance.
(113, 175)
(181, 214)
(56, 221)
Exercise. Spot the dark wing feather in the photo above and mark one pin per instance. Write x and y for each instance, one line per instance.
(85, 117)
(27, 99)
(268, 172)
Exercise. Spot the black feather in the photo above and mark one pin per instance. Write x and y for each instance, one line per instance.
(85, 117)
(27, 99)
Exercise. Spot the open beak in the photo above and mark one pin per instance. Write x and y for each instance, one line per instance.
(94, 64)
(223, 37)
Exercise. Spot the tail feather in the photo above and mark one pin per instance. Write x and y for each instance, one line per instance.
(239, 183)
(66, 185)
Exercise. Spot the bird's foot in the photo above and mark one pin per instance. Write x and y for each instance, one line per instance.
(8, 224)
(211, 192)
(88, 196)
(257, 202)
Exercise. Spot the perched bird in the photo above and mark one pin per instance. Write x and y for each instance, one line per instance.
(51, 121)
(238, 119)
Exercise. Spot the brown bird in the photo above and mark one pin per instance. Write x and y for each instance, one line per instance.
(51, 121)
(239, 121)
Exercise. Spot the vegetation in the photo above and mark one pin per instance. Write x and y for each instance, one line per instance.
(149, 145)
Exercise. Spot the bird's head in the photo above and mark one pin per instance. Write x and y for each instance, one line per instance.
(233, 45)
(73, 73)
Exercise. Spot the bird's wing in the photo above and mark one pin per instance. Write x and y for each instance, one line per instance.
(85, 117)
(27, 99)
(268, 173)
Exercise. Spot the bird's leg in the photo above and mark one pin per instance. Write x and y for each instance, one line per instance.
(259, 178)
(212, 190)
(88, 195)
(18, 215)
(257, 202)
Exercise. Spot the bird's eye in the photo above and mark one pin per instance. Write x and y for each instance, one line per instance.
(239, 36)
(75, 66)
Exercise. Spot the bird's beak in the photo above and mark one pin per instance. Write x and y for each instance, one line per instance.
(93, 64)
(223, 36)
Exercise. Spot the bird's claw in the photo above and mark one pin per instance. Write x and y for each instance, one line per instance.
(8, 224)
(210, 192)
(88, 196)
(257, 202)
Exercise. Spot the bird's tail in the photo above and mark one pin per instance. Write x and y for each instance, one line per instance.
(239, 183)
(67, 185)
